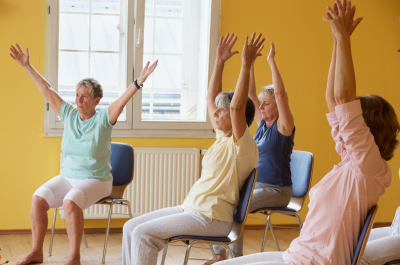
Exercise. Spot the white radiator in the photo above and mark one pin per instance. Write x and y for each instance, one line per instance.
(162, 178)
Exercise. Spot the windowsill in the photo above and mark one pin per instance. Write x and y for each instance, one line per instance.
(146, 133)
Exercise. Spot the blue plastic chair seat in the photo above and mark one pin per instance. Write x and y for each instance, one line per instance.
(216, 239)
(111, 198)
(274, 209)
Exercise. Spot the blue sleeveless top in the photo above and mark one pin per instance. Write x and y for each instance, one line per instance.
(274, 151)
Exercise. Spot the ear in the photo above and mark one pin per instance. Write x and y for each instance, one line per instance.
(97, 100)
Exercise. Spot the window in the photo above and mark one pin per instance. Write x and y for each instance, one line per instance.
(111, 40)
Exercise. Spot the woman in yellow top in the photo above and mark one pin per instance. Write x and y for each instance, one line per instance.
(209, 207)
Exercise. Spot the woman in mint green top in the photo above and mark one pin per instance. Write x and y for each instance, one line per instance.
(86, 174)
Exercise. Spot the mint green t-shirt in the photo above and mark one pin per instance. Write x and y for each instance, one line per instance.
(86, 145)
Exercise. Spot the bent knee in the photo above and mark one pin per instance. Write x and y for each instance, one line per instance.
(74, 196)
(43, 197)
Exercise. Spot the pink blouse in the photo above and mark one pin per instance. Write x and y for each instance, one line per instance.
(339, 203)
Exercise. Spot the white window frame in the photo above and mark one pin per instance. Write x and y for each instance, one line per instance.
(133, 126)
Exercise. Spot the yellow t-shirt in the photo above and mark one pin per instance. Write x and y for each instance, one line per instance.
(226, 166)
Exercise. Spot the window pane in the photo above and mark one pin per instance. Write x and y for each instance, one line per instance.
(179, 38)
(92, 43)
(149, 8)
(104, 67)
(169, 8)
(73, 66)
(74, 31)
(106, 6)
(148, 35)
(82, 6)
(105, 33)
(168, 73)
(168, 35)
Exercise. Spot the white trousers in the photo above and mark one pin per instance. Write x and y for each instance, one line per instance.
(83, 193)
(381, 247)
(146, 235)
(265, 258)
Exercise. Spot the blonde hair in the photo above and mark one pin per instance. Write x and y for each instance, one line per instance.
(269, 91)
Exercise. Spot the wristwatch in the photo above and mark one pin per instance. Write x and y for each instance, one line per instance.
(136, 84)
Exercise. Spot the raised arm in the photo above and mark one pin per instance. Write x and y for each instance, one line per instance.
(40, 82)
(118, 105)
(253, 92)
(330, 94)
(343, 25)
(285, 120)
(215, 87)
(239, 100)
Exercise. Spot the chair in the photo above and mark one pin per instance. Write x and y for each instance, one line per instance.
(394, 262)
(301, 167)
(122, 170)
(363, 239)
(239, 220)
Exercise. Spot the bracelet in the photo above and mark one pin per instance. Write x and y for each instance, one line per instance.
(136, 84)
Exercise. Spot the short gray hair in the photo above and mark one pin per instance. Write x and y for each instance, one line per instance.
(92, 85)
(224, 101)
(269, 90)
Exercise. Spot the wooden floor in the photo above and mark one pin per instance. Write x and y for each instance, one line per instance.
(15, 247)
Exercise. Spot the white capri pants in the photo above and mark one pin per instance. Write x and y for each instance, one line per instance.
(83, 193)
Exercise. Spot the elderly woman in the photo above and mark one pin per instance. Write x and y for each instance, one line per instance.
(340, 202)
(275, 140)
(209, 207)
(85, 177)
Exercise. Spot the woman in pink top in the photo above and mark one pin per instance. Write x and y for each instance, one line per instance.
(340, 201)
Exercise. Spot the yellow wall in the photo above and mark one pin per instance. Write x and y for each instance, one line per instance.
(303, 42)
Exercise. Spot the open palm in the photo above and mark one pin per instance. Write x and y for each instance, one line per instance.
(224, 50)
(19, 55)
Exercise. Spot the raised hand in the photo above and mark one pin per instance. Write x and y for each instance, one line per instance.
(341, 18)
(19, 55)
(225, 46)
(146, 72)
(252, 49)
(271, 55)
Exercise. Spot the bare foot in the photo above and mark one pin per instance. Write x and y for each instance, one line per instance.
(74, 261)
(32, 257)
(212, 261)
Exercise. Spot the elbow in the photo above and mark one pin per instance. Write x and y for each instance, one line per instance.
(236, 108)
(343, 98)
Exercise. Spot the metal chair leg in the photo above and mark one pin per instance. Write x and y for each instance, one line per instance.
(299, 220)
(128, 204)
(273, 235)
(229, 250)
(52, 232)
(212, 252)
(108, 230)
(265, 232)
(185, 262)
(164, 255)
(84, 239)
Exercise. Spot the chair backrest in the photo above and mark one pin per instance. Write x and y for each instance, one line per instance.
(301, 166)
(121, 167)
(363, 239)
(242, 209)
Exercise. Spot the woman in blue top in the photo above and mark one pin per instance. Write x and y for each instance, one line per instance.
(275, 140)
(86, 174)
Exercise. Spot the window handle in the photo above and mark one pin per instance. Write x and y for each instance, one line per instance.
(138, 40)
